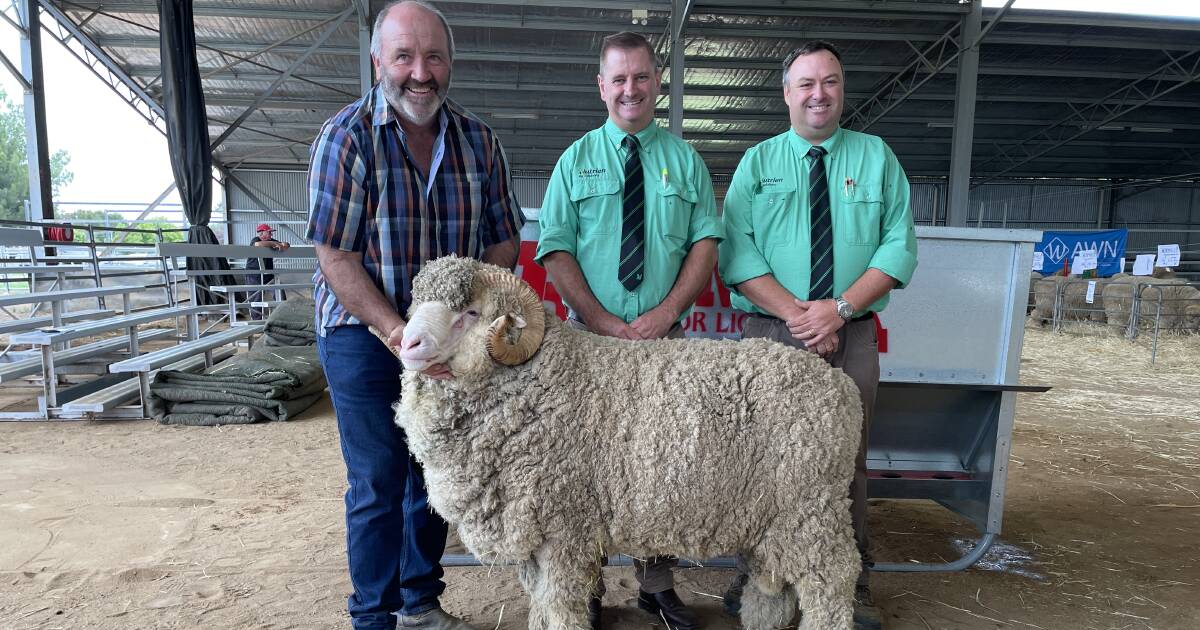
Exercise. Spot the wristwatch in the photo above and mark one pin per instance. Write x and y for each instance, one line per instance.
(845, 309)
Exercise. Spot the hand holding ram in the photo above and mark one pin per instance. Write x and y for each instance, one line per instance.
(539, 450)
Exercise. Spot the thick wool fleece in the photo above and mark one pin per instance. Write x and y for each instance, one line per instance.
(543, 463)
(1177, 296)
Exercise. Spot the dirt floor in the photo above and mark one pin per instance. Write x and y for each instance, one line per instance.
(135, 525)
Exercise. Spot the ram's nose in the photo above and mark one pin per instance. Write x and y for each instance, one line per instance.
(417, 346)
(411, 342)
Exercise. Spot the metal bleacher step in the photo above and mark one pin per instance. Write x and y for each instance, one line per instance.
(126, 388)
(26, 367)
(31, 323)
(158, 358)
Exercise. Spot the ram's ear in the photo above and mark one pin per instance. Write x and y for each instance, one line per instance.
(518, 320)
(384, 340)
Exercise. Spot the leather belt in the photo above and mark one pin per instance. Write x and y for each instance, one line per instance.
(861, 318)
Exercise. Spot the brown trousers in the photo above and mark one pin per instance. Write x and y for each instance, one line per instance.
(858, 356)
(654, 575)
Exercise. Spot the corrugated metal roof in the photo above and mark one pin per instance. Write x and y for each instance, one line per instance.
(529, 69)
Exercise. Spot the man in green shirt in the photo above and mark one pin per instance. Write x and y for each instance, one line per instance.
(629, 234)
(818, 232)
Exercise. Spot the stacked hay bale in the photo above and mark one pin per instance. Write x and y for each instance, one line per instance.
(1178, 310)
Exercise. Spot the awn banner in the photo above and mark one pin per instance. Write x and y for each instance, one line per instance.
(1060, 247)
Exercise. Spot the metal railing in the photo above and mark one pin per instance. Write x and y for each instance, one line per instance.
(1147, 309)
(106, 256)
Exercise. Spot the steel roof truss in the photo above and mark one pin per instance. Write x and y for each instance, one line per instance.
(1176, 73)
(15, 72)
(936, 57)
(101, 64)
(153, 43)
(237, 60)
(11, 22)
(918, 72)
(330, 30)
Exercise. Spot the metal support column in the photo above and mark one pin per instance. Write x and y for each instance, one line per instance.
(963, 137)
(226, 175)
(37, 153)
(1104, 206)
(679, 14)
(365, 78)
(1109, 197)
(228, 206)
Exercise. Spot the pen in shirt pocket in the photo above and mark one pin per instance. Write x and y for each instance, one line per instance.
(664, 177)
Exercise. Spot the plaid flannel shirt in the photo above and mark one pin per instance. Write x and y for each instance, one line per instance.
(366, 195)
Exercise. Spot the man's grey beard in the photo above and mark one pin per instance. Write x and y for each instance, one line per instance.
(394, 93)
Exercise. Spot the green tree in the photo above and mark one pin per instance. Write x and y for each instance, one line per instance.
(14, 170)
(99, 219)
(153, 223)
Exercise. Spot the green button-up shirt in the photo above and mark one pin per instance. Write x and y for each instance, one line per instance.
(767, 220)
(581, 213)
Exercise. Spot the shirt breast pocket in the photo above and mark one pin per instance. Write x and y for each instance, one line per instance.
(774, 213)
(864, 209)
(599, 204)
(676, 202)
(476, 190)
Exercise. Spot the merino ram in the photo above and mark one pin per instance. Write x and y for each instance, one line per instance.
(552, 447)
(1179, 303)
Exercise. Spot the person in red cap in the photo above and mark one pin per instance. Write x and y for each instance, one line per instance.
(265, 238)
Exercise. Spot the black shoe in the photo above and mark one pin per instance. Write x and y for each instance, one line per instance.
(436, 619)
(594, 612)
(866, 615)
(733, 595)
(668, 607)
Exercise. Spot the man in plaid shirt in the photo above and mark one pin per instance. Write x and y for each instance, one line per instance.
(397, 178)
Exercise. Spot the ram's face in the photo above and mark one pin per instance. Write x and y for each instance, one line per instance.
(1191, 317)
(470, 316)
(435, 333)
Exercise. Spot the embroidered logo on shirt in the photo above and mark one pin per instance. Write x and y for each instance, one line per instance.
(769, 181)
(592, 172)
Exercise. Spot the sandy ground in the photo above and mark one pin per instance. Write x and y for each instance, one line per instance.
(135, 525)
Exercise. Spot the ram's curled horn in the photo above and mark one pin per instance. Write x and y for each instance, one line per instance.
(531, 321)
(384, 339)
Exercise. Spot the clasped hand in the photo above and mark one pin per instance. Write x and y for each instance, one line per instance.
(816, 324)
(653, 324)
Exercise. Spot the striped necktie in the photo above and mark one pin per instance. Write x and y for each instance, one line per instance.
(633, 218)
(821, 236)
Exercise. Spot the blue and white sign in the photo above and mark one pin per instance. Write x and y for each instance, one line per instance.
(1057, 247)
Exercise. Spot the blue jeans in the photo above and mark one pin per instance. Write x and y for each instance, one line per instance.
(394, 541)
